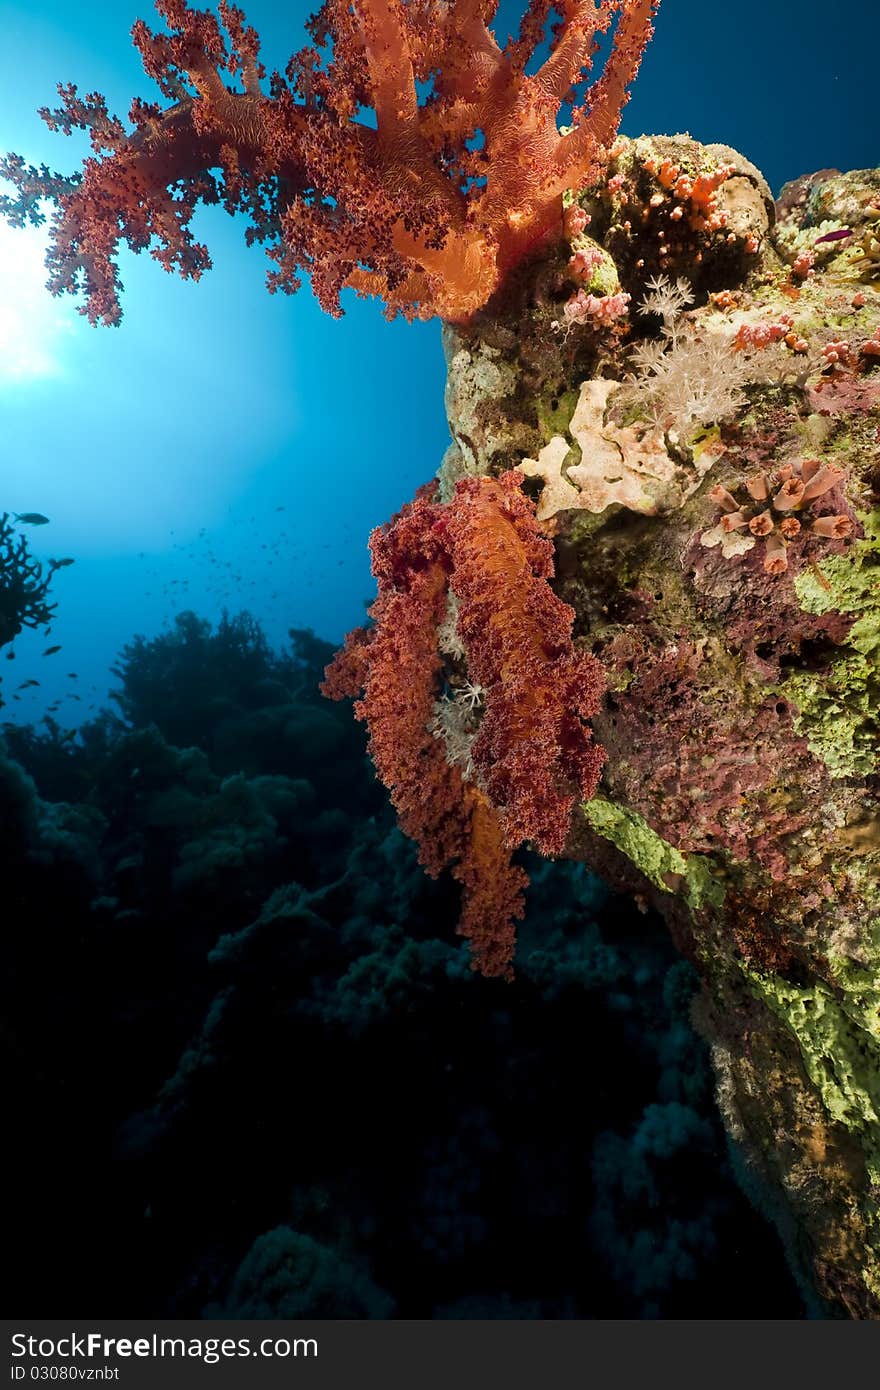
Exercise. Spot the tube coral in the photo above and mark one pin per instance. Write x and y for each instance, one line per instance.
(767, 513)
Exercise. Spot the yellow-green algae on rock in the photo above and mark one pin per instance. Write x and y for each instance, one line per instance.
(840, 710)
(839, 1040)
(653, 855)
(840, 1046)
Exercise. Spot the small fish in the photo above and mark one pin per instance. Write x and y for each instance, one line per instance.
(833, 236)
(31, 518)
(26, 685)
(50, 651)
(10, 656)
(73, 675)
(62, 564)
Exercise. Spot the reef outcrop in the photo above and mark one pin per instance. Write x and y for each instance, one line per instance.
(690, 388)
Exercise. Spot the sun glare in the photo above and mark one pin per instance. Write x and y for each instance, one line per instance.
(33, 324)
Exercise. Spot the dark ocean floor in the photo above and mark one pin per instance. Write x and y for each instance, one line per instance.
(251, 1073)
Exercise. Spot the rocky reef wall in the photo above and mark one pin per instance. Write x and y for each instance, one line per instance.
(691, 386)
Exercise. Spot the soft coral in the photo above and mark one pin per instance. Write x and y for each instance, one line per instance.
(407, 209)
(533, 754)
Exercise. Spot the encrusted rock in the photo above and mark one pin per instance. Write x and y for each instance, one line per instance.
(708, 462)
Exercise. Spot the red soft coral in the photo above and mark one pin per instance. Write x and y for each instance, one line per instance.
(533, 755)
(396, 663)
(399, 669)
(402, 206)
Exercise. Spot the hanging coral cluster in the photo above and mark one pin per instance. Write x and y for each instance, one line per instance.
(532, 755)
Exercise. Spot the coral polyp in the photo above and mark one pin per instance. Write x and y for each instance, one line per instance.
(781, 507)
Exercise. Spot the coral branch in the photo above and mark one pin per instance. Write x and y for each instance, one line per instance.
(402, 675)
(572, 52)
(403, 207)
(492, 889)
(607, 97)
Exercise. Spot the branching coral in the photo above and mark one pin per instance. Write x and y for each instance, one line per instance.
(532, 755)
(407, 209)
(24, 587)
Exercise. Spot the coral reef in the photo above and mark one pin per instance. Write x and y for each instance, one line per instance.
(709, 475)
(284, 1091)
(664, 399)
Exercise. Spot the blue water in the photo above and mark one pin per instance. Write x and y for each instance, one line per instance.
(228, 448)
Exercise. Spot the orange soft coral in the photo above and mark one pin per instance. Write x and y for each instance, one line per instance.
(396, 663)
(405, 208)
(533, 754)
